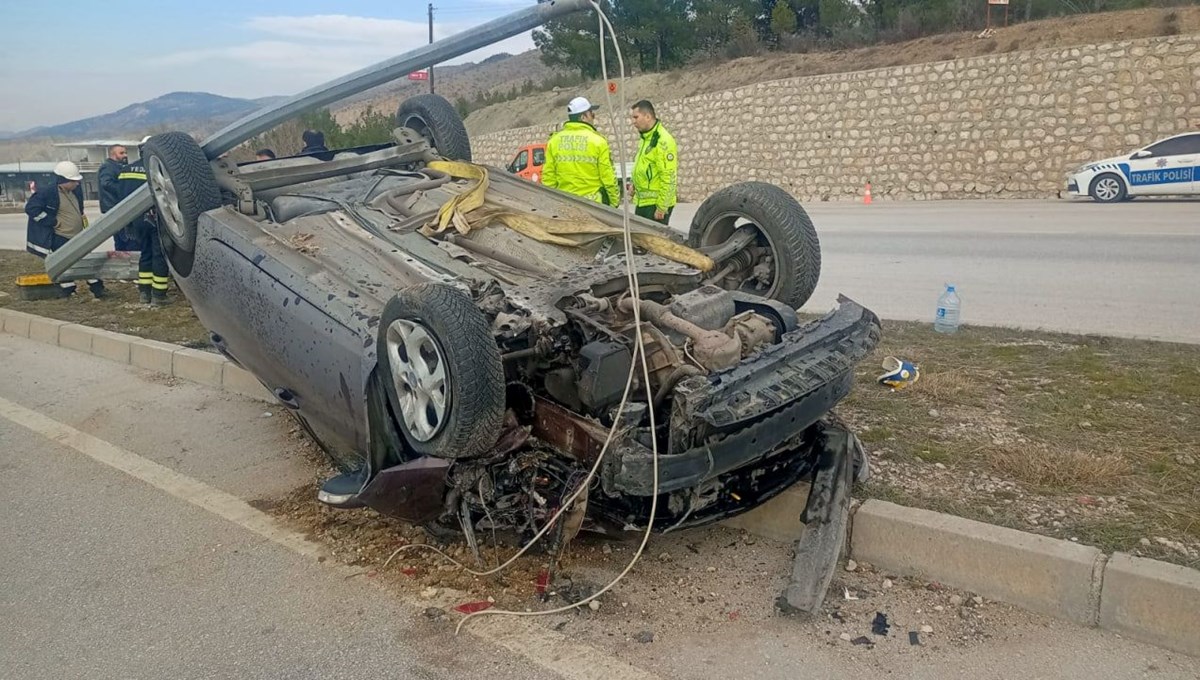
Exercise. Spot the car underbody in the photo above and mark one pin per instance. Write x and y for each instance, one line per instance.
(476, 352)
(739, 384)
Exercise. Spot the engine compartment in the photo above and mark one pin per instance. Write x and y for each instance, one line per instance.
(690, 334)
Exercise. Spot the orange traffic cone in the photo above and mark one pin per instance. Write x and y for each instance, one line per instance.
(867, 195)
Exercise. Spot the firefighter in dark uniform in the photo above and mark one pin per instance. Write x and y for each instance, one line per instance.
(153, 274)
(110, 192)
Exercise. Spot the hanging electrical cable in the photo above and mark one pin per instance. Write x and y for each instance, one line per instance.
(605, 29)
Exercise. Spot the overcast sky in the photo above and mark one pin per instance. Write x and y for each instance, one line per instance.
(68, 60)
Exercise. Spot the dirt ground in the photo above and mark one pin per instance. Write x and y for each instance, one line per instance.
(710, 580)
(711, 583)
(546, 107)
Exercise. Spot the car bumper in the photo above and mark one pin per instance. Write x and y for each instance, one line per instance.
(1079, 183)
(754, 411)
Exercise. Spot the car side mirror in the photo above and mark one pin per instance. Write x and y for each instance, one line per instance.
(1140, 154)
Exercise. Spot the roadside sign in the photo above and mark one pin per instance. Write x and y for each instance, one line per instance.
(419, 75)
(1003, 3)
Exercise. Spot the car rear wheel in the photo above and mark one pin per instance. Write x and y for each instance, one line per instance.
(184, 187)
(442, 371)
(784, 260)
(435, 119)
(1108, 188)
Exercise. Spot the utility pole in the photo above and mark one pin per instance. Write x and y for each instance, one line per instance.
(431, 42)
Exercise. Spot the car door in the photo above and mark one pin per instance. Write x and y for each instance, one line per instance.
(520, 164)
(303, 343)
(539, 159)
(1165, 167)
(1187, 161)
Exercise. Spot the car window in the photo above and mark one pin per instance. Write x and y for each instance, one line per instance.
(521, 162)
(539, 156)
(1177, 146)
(1189, 144)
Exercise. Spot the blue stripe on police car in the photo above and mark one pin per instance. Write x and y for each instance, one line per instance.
(1160, 176)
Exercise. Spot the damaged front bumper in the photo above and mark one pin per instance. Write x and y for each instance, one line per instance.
(753, 411)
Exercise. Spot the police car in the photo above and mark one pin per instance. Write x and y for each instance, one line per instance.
(1167, 167)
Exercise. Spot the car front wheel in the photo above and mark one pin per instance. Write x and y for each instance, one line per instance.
(1108, 188)
(442, 372)
(184, 187)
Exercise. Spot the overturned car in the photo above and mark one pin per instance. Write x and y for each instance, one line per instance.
(460, 342)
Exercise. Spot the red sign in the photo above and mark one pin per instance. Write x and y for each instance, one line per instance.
(419, 75)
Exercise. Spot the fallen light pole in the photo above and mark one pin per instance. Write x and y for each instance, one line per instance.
(60, 261)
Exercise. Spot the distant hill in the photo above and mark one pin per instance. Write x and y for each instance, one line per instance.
(498, 73)
(196, 112)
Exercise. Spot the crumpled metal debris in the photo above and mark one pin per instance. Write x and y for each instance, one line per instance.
(880, 625)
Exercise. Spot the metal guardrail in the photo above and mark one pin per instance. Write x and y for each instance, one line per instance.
(260, 121)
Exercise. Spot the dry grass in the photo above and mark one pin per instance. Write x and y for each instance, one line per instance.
(120, 312)
(1061, 470)
(1062, 416)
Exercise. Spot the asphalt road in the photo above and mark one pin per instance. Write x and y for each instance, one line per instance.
(12, 229)
(1074, 266)
(129, 553)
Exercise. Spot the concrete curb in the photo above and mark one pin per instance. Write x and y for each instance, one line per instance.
(1152, 601)
(1040, 574)
(205, 368)
(1145, 599)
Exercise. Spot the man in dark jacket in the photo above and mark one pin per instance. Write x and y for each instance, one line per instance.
(110, 192)
(314, 142)
(55, 215)
(153, 274)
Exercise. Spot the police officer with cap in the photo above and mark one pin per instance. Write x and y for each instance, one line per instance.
(578, 159)
(656, 169)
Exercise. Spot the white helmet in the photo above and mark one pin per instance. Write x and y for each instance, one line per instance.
(68, 171)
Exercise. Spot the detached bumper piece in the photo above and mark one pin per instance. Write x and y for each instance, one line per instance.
(840, 458)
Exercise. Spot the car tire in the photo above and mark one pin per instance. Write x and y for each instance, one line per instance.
(184, 187)
(448, 394)
(1108, 188)
(435, 119)
(783, 226)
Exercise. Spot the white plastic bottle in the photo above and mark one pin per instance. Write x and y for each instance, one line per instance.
(948, 308)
